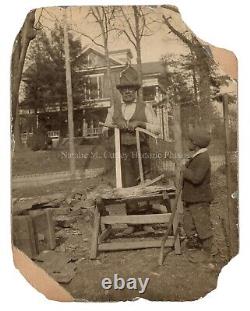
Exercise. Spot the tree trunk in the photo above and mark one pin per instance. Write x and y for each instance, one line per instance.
(138, 50)
(109, 71)
(195, 85)
(69, 98)
(26, 34)
(117, 108)
(177, 139)
(203, 68)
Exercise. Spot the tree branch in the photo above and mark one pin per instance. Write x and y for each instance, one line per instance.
(88, 37)
(171, 7)
(128, 23)
(105, 21)
(51, 15)
(126, 34)
(143, 25)
(176, 32)
(38, 21)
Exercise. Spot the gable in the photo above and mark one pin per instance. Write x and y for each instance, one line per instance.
(96, 59)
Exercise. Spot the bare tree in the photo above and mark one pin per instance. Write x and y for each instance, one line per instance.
(135, 19)
(21, 44)
(104, 17)
(202, 63)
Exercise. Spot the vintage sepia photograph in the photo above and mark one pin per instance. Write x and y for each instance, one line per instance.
(124, 152)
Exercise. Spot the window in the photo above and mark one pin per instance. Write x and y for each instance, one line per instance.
(91, 60)
(93, 87)
(149, 93)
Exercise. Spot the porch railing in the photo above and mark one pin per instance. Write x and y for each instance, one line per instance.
(95, 131)
(53, 134)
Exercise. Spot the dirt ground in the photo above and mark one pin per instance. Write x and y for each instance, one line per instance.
(178, 279)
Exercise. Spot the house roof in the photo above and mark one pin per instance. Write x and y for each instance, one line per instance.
(122, 51)
(151, 68)
(100, 53)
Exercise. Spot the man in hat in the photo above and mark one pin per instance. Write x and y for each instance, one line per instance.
(197, 193)
(127, 116)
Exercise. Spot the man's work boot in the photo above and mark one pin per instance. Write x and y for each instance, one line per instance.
(193, 243)
(210, 248)
(196, 256)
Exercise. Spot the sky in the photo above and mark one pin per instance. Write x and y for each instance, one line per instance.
(159, 43)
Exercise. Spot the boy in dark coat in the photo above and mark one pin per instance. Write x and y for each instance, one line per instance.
(197, 194)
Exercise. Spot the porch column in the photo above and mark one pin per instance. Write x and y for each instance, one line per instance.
(84, 127)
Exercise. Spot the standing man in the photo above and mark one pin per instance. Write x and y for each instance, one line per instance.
(127, 116)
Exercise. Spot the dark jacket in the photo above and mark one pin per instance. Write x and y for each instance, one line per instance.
(196, 180)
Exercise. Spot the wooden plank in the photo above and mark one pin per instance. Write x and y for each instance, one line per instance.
(118, 170)
(51, 228)
(113, 246)
(136, 219)
(23, 235)
(174, 208)
(44, 229)
(138, 145)
(96, 228)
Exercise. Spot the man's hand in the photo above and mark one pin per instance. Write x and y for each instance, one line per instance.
(121, 124)
(134, 124)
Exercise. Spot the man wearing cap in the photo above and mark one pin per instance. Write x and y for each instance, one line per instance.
(127, 116)
(197, 193)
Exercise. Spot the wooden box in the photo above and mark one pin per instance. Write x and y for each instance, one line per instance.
(34, 233)
(23, 236)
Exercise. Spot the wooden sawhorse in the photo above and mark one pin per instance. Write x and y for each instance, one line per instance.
(103, 220)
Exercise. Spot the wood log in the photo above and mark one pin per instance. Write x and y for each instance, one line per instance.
(136, 191)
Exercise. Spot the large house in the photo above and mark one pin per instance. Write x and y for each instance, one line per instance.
(96, 101)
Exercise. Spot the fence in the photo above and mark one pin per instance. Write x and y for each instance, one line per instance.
(163, 154)
(54, 135)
